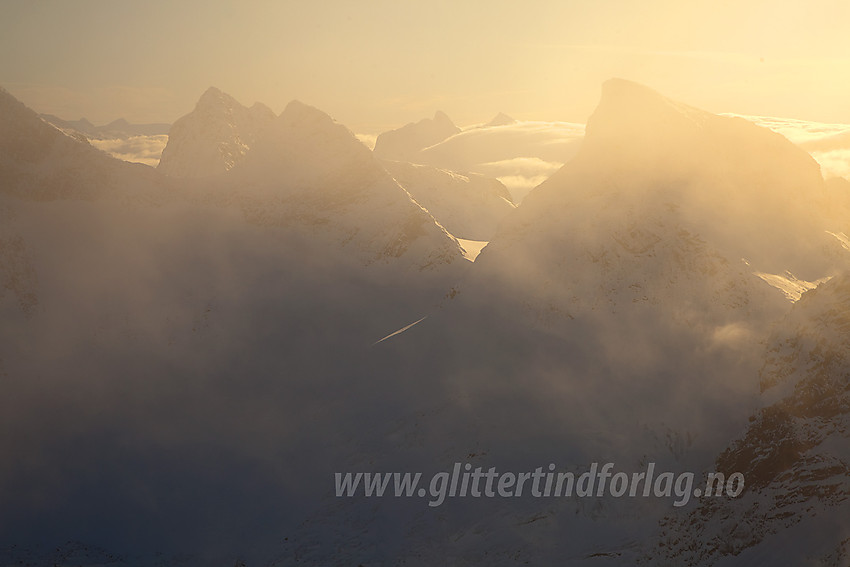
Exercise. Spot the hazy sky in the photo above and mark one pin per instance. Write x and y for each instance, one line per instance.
(376, 64)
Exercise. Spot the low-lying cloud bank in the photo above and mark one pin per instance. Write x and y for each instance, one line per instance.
(521, 154)
(520, 175)
(139, 149)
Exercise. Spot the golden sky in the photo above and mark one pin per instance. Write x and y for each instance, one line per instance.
(377, 64)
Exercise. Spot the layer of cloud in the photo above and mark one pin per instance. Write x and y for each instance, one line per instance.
(521, 155)
(834, 163)
(520, 175)
(139, 149)
(368, 140)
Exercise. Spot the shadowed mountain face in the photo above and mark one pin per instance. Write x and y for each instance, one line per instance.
(187, 362)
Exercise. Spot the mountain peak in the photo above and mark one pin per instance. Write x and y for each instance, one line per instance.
(303, 134)
(212, 92)
(118, 124)
(22, 128)
(634, 125)
(7, 99)
(260, 108)
(214, 97)
(214, 137)
(616, 86)
(442, 118)
(297, 113)
(630, 109)
(403, 144)
(500, 119)
(621, 92)
(300, 119)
